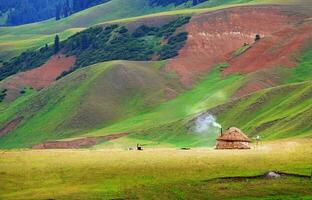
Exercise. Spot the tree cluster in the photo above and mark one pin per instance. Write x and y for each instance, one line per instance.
(115, 42)
(3, 94)
(28, 11)
(99, 44)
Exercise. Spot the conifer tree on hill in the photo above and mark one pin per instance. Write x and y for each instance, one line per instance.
(56, 44)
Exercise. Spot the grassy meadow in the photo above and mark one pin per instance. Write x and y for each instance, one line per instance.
(154, 173)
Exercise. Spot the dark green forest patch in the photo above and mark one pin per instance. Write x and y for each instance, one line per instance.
(113, 42)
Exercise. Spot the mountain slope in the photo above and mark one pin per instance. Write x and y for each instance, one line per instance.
(176, 132)
(215, 36)
(110, 42)
(136, 94)
(93, 97)
(146, 99)
(14, 40)
(276, 113)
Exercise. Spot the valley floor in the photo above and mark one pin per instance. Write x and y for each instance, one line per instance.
(158, 173)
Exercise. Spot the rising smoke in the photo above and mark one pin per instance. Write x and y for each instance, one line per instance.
(205, 123)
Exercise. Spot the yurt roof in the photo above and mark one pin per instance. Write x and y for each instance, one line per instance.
(234, 134)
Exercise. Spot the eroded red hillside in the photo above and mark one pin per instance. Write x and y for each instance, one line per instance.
(214, 36)
(40, 77)
(278, 49)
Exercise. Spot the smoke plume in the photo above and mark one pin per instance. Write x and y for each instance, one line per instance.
(205, 123)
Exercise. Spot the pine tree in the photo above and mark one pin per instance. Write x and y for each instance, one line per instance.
(84, 42)
(66, 9)
(57, 12)
(56, 44)
(77, 5)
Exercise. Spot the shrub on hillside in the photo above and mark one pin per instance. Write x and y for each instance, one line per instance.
(257, 38)
(175, 43)
(2, 94)
(144, 30)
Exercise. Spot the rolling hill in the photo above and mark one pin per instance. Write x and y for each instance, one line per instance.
(220, 69)
(104, 93)
(169, 123)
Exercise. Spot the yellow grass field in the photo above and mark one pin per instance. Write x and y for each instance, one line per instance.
(157, 173)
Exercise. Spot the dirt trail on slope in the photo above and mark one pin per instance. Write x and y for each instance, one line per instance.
(214, 36)
(38, 78)
(78, 143)
(10, 126)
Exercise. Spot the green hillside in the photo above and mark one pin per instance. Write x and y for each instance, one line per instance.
(276, 113)
(282, 112)
(149, 103)
(92, 97)
(103, 103)
(102, 96)
(14, 40)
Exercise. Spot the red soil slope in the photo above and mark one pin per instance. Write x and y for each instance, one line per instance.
(40, 77)
(277, 49)
(216, 35)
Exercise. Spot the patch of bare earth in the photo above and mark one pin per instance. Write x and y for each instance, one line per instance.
(78, 143)
(7, 128)
(259, 80)
(38, 78)
(214, 36)
(278, 49)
